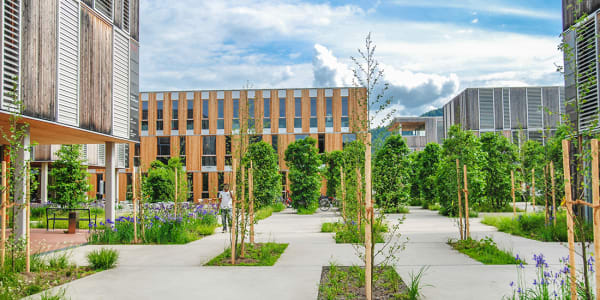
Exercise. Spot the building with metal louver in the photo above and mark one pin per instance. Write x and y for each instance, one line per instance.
(519, 113)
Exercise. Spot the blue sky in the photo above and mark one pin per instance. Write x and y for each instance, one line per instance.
(429, 49)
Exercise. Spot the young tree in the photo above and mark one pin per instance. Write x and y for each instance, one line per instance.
(425, 168)
(267, 180)
(501, 157)
(532, 154)
(333, 161)
(354, 159)
(415, 183)
(466, 147)
(302, 158)
(159, 184)
(70, 177)
(390, 173)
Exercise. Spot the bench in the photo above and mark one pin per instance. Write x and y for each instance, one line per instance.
(54, 218)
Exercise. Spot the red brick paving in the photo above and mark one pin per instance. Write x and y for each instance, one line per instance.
(44, 241)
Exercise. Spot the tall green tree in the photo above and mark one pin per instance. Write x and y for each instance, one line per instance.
(415, 184)
(466, 147)
(159, 184)
(333, 161)
(391, 178)
(501, 158)
(554, 153)
(70, 177)
(425, 169)
(533, 156)
(302, 159)
(266, 177)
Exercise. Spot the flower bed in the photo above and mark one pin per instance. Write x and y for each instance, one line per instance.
(343, 282)
(160, 226)
(259, 254)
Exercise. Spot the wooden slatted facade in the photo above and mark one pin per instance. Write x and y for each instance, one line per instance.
(206, 177)
(533, 110)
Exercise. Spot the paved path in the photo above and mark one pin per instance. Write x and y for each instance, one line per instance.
(177, 271)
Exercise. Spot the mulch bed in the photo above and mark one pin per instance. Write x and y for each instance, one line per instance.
(381, 288)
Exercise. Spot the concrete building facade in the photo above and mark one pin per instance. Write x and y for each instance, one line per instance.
(419, 131)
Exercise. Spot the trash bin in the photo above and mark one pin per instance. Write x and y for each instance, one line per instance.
(73, 222)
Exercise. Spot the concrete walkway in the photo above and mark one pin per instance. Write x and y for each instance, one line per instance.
(177, 271)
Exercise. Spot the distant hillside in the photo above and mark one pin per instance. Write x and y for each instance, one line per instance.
(434, 113)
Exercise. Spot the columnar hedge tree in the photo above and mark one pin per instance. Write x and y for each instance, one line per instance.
(415, 184)
(267, 180)
(533, 156)
(354, 159)
(302, 159)
(554, 152)
(70, 182)
(501, 160)
(467, 148)
(333, 161)
(159, 184)
(390, 172)
(425, 169)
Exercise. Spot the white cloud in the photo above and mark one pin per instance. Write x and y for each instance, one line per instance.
(475, 21)
(327, 71)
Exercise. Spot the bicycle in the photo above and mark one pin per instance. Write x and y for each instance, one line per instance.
(325, 203)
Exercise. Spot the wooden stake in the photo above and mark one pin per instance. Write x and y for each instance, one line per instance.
(533, 189)
(176, 190)
(466, 191)
(141, 204)
(569, 205)
(243, 214)
(596, 203)
(512, 191)
(546, 195)
(343, 193)
(553, 192)
(4, 199)
(368, 223)
(232, 225)
(458, 188)
(251, 198)
(28, 218)
(133, 199)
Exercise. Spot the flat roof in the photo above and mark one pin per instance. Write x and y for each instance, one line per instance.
(251, 89)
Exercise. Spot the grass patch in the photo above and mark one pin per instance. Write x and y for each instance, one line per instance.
(485, 251)
(306, 211)
(46, 272)
(396, 210)
(349, 234)
(103, 259)
(342, 282)
(433, 206)
(265, 212)
(533, 226)
(259, 254)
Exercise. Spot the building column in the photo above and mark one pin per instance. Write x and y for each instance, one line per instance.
(110, 182)
(44, 183)
(20, 179)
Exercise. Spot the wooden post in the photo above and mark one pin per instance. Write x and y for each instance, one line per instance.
(596, 203)
(368, 223)
(546, 195)
(533, 189)
(133, 199)
(553, 193)
(512, 192)
(569, 205)
(27, 220)
(343, 194)
(141, 204)
(458, 188)
(466, 191)
(4, 199)
(233, 221)
(243, 213)
(251, 200)
(176, 191)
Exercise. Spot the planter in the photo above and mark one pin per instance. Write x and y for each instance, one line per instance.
(73, 222)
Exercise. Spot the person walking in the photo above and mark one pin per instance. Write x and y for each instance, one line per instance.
(225, 201)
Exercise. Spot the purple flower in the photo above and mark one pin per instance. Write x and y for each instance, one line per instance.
(512, 283)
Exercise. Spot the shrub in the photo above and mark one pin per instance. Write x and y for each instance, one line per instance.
(485, 251)
(303, 161)
(266, 177)
(103, 259)
(391, 173)
(278, 207)
(70, 177)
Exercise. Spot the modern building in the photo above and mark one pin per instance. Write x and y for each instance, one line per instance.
(200, 127)
(581, 62)
(533, 111)
(419, 131)
(74, 66)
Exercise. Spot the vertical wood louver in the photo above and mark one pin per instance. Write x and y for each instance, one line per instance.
(126, 15)
(587, 74)
(68, 62)
(11, 18)
(101, 156)
(506, 107)
(120, 84)
(534, 108)
(105, 7)
(486, 109)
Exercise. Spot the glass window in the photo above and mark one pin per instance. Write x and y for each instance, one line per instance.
(160, 96)
(251, 108)
(136, 155)
(321, 143)
(235, 124)
(220, 108)
(144, 110)
(190, 109)
(182, 145)
(190, 182)
(205, 193)
(255, 138)
(347, 138)
(159, 125)
(274, 142)
(297, 122)
(144, 125)
(298, 107)
(282, 124)
(159, 110)
(163, 145)
(189, 124)
(220, 124)
(175, 109)
(174, 125)
(313, 123)
(267, 107)
(205, 109)
(313, 106)
(282, 107)
(329, 106)
(205, 124)
(221, 180)
(174, 96)
(345, 106)
(209, 144)
(266, 123)
(236, 108)
(301, 136)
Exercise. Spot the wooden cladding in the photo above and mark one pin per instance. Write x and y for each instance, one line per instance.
(96, 73)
